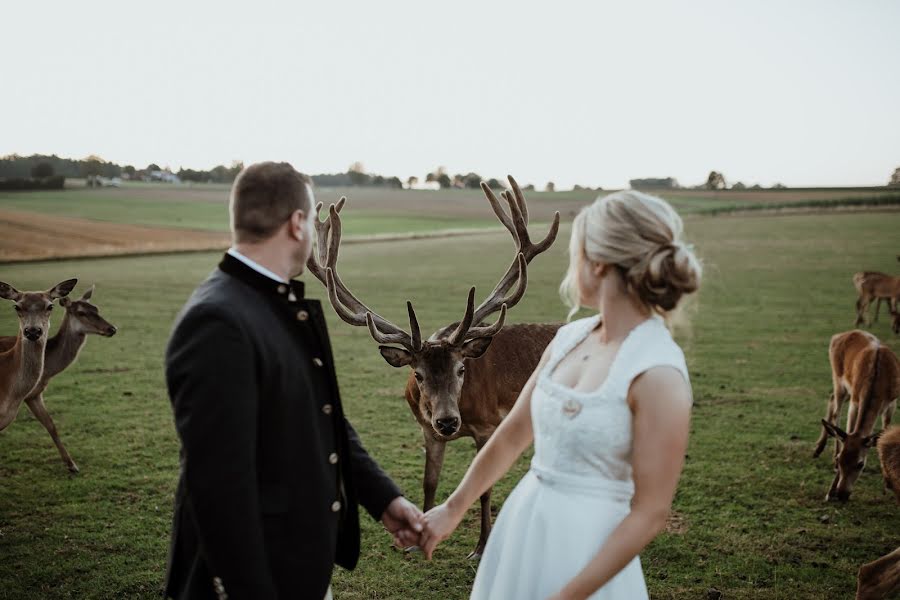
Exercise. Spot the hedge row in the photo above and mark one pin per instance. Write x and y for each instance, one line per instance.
(54, 182)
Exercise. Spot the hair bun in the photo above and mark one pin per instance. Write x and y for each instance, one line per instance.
(668, 273)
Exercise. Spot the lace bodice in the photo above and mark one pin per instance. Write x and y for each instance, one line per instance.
(585, 438)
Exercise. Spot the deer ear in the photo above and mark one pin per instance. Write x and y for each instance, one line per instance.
(64, 302)
(477, 347)
(834, 430)
(87, 295)
(62, 289)
(396, 357)
(872, 440)
(9, 292)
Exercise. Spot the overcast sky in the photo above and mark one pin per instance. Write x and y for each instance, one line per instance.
(594, 93)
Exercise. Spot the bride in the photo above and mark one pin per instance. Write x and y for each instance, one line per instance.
(608, 409)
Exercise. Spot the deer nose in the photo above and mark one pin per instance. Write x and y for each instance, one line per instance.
(840, 496)
(111, 331)
(447, 425)
(33, 333)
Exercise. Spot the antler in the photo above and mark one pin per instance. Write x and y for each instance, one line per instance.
(346, 305)
(517, 224)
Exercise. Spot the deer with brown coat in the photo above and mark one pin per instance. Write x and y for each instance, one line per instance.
(81, 319)
(865, 371)
(871, 285)
(881, 578)
(22, 363)
(466, 377)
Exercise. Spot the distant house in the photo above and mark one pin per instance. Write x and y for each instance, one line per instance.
(163, 176)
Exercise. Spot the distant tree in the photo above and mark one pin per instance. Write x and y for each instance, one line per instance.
(129, 170)
(444, 181)
(895, 178)
(395, 182)
(715, 181)
(357, 167)
(738, 186)
(779, 186)
(153, 167)
(494, 184)
(42, 170)
(413, 180)
(756, 186)
(550, 187)
(92, 166)
(472, 181)
(654, 183)
(529, 187)
(577, 188)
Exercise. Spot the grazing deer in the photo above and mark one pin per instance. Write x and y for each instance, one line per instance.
(22, 364)
(871, 285)
(466, 377)
(867, 372)
(881, 578)
(81, 319)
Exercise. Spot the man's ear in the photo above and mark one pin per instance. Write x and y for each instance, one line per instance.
(9, 292)
(834, 430)
(477, 347)
(298, 223)
(62, 289)
(396, 357)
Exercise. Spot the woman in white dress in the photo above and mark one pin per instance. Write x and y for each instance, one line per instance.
(608, 410)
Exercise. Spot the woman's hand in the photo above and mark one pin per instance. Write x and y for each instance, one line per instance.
(440, 522)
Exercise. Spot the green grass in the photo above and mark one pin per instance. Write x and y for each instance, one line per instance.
(751, 497)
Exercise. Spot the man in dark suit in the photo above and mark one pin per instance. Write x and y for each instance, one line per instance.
(271, 471)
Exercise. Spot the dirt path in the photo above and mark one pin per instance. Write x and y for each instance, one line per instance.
(31, 236)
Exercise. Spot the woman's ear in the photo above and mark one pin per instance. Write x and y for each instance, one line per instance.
(599, 269)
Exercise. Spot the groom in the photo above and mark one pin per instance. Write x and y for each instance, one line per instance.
(271, 471)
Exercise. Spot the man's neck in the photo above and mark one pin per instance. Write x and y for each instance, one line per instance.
(269, 257)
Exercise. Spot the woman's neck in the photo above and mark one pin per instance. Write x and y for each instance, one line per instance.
(621, 313)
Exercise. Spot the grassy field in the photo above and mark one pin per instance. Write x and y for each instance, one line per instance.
(382, 210)
(754, 523)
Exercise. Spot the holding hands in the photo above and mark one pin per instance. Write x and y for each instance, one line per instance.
(440, 522)
(409, 527)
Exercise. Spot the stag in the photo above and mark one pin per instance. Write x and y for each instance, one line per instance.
(880, 578)
(81, 319)
(865, 371)
(22, 363)
(465, 378)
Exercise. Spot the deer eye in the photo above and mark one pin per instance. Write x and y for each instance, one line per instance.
(18, 308)
(462, 371)
(860, 465)
(49, 308)
(419, 377)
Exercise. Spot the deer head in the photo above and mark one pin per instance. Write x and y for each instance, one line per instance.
(34, 308)
(850, 460)
(85, 317)
(438, 364)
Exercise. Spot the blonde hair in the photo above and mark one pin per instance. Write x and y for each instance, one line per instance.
(640, 235)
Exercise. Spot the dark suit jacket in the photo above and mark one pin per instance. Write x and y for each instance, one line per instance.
(271, 471)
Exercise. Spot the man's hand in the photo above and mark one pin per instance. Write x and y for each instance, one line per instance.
(403, 520)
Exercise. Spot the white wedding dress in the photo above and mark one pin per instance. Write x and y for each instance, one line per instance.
(580, 486)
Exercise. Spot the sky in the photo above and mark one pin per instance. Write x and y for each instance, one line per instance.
(804, 93)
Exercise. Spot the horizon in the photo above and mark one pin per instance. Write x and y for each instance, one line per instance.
(760, 93)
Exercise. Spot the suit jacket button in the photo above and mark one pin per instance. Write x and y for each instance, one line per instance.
(336, 506)
(333, 458)
(318, 362)
(327, 409)
(302, 316)
(282, 289)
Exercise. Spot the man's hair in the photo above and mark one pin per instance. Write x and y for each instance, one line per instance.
(264, 196)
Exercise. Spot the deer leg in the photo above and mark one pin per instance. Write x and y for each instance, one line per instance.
(861, 305)
(434, 462)
(880, 578)
(888, 414)
(831, 414)
(877, 308)
(37, 407)
(485, 511)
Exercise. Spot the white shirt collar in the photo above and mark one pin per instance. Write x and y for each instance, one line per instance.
(256, 266)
